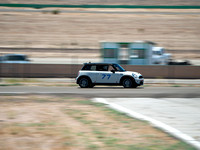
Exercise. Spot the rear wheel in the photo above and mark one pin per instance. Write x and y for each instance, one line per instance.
(84, 83)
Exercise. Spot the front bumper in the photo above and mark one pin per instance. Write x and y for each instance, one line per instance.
(140, 82)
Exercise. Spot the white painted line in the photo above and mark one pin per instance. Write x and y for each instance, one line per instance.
(166, 128)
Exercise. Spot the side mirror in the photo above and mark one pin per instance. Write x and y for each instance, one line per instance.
(113, 71)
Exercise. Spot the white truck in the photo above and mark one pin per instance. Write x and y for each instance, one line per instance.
(159, 56)
(107, 74)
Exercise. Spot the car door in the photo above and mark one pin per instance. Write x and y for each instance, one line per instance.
(90, 71)
(105, 76)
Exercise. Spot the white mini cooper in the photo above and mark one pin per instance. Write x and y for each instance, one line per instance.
(107, 74)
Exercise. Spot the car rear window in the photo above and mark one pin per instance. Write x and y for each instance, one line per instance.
(89, 67)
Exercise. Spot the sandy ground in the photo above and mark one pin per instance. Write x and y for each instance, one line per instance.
(86, 30)
(52, 122)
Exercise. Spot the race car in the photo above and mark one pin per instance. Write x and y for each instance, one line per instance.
(107, 74)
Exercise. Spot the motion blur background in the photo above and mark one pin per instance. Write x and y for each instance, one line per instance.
(52, 38)
(73, 35)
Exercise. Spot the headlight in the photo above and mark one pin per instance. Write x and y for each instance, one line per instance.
(134, 75)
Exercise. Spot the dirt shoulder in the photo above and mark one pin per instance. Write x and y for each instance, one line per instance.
(79, 30)
(56, 122)
(86, 30)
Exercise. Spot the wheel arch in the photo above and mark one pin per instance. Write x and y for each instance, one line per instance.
(83, 76)
(126, 76)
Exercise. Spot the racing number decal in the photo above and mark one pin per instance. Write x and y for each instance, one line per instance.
(109, 76)
(104, 75)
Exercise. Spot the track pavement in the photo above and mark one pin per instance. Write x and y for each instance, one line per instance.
(104, 91)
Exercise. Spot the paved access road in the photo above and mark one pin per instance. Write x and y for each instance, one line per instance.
(116, 92)
(182, 114)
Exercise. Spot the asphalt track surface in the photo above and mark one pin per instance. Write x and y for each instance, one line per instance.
(107, 92)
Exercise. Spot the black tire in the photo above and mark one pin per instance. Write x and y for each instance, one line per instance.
(134, 85)
(129, 83)
(91, 85)
(84, 83)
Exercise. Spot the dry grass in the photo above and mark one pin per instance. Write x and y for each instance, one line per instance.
(86, 30)
(63, 123)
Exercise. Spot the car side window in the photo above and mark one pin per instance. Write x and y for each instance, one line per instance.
(102, 67)
(93, 68)
(111, 68)
(86, 67)
(89, 67)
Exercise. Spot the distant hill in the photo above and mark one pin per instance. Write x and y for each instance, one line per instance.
(106, 2)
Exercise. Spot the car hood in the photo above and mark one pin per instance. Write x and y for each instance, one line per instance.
(132, 73)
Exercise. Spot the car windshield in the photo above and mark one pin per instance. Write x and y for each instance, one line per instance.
(118, 68)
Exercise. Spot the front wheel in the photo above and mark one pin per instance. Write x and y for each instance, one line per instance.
(128, 83)
(84, 83)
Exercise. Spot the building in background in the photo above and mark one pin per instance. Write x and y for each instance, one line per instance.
(133, 53)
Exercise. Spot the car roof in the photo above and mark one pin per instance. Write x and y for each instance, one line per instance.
(15, 55)
(99, 63)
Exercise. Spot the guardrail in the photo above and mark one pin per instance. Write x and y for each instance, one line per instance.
(38, 6)
(71, 71)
